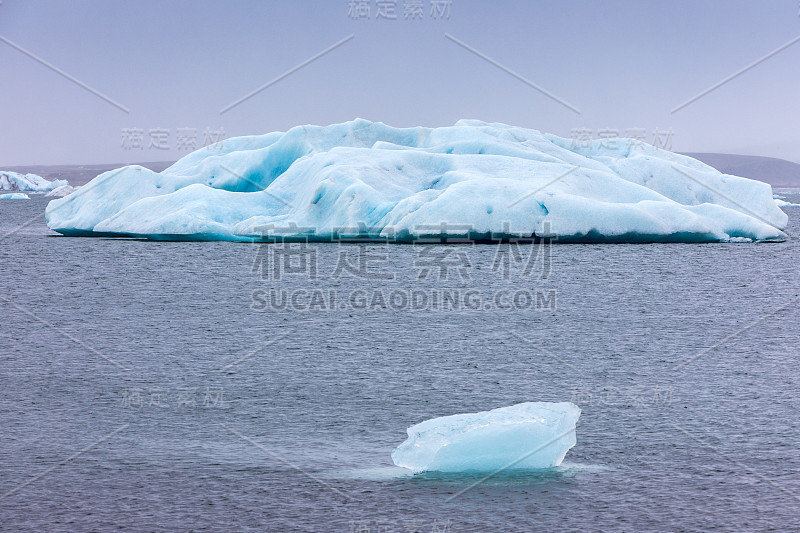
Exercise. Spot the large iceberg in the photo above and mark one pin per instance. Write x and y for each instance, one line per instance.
(14, 181)
(476, 179)
(525, 436)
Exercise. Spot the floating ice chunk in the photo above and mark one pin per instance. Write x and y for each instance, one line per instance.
(525, 436)
(14, 181)
(784, 203)
(15, 196)
(488, 181)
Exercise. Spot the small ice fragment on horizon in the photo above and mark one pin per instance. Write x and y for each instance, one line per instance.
(784, 203)
(14, 181)
(14, 196)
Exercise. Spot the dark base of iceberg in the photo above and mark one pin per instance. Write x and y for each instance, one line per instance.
(475, 182)
(473, 238)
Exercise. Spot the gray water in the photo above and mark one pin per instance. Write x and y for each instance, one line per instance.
(144, 388)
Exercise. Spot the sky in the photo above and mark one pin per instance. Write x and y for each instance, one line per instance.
(91, 82)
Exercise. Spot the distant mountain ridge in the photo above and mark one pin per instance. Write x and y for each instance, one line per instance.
(776, 172)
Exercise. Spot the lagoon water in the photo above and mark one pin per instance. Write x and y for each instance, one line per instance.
(157, 386)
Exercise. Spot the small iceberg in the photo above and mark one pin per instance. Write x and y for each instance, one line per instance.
(526, 436)
(14, 181)
(784, 203)
(14, 196)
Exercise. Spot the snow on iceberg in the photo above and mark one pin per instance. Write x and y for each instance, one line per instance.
(14, 181)
(15, 196)
(474, 178)
(525, 436)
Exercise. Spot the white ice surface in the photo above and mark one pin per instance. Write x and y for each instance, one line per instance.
(525, 436)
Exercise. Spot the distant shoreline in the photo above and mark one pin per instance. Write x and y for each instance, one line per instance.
(776, 172)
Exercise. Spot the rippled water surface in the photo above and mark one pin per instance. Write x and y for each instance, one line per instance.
(146, 386)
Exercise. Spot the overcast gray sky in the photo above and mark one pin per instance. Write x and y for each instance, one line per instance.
(594, 67)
